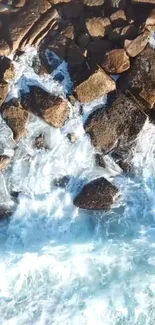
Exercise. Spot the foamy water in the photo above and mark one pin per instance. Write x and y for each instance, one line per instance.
(61, 265)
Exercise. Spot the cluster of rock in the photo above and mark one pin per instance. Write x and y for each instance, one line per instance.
(98, 39)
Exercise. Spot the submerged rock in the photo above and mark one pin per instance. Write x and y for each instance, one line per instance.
(118, 126)
(96, 195)
(52, 109)
(97, 85)
(4, 87)
(4, 162)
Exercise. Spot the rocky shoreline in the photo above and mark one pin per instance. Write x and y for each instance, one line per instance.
(106, 44)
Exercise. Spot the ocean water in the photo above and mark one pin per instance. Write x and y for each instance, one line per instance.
(61, 265)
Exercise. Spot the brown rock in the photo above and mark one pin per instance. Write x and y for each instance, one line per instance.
(97, 85)
(18, 28)
(4, 87)
(97, 50)
(116, 61)
(151, 19)
(40, 29)
(68, 32)
(118, 18)
(117, 3)
(144, 1)
(140, 79)
(96, 195)
(134, 47)
(55, 2)
(93, 3)
(4, 162)
(72, 9)
(52, 109)
(98, 26)
(16, 118)
(118, 126)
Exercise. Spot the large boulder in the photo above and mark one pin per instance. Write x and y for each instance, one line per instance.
(96, 195)
(117, 126)
(15, 117)
(97, 85)
(134, 47)
(52, 109)
(116, 61)
(140, 79)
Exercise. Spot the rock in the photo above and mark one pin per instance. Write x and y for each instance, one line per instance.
(4, 162)
(16, 118)
(40, 29)
(98, 26)
(7, 69)
(100, 160)
(4, 87)
(119, 34)
(151, 19)
(55, 2)
(40, 143)
(93, 3)
(96, 195)
(75, 55)
(116, 61)
(68, 32)
(52, 109)
(118, 126)
(134, 47)
(118, 18)
(6, 211)
(117, 3)
(17, 28)
(97, 85)
(62, 182)
(83, 40)
(58, 45)
(97, 49)
(72, 9)
(140, 79)
(144, 1)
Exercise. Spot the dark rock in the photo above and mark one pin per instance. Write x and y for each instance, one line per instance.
(140, 79)
(118, 126)
(72, 9)
(40, 142)
(97, 50)
(96, 195)
(100, 160)
(52, 109)
(7, 70)
(62, 182)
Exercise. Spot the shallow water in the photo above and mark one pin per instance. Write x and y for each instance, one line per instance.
(62, 265)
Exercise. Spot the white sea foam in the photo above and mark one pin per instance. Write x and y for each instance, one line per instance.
(60, 265)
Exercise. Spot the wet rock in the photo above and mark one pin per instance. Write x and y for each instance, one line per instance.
(4, 162)
(134, 47)
(62, 182)
(96, 195)
(52, 109)
(118, 18)
(116, 61)
(4, 87)
(58, 45)
(6, 211)
(97, 49)
(40, 142)
(140, 79)
(118, 126)
(72, 9)
(7, 69)
(97, 85)
(100, 160)
(98, 26)
(16, 118)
